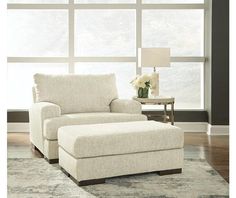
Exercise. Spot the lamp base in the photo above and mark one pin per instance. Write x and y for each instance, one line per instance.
(155, 89)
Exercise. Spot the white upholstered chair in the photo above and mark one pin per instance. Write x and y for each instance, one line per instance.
(61, 100)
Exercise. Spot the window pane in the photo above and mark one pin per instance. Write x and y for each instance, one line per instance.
(181, 30)
(20, 81)
(105, 1)
(105, 33)
(182, 81)
(173, 1)
(37, 33)
(124, 72)
(37, 1)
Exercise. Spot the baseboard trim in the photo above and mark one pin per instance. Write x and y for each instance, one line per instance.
(192, 127)
(218, 129)
(16, 127)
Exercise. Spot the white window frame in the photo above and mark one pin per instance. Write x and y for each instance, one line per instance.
(71, 59)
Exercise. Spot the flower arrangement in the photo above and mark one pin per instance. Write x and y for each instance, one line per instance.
(143, 83)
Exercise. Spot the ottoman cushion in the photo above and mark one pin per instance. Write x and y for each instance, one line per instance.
(82, 141)
(52, 125)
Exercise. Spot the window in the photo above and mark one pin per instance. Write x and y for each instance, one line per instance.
(37, 33)
(124, 73)
(105, 33)
(181, 30)
(20, 81)
(183, 81)
(173, 1)
(38, 1)
(102, 36)
(105, 1)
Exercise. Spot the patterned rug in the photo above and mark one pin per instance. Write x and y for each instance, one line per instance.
(37, 178)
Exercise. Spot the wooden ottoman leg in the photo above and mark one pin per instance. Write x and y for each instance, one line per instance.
(169, 172)
(83, 183)
(91, 182)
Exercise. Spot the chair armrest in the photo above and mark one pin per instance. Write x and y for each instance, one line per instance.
(38, 112)
(126, 106)
(46, 110)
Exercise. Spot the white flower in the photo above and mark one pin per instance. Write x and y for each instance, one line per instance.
(134, 82)
(145, 78)
(141, 83)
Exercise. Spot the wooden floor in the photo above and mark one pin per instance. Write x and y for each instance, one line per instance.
(214, 149)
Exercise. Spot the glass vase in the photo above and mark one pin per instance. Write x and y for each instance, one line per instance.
(143, 92)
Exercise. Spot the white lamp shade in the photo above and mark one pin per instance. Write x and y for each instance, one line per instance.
(154, 57)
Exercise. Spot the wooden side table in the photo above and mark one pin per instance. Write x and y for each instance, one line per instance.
(160, 100)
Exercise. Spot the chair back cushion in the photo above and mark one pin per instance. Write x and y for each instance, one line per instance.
(77, 93)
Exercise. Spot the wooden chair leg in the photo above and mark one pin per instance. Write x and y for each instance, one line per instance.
(51, 161)
(34, 147)
(169, 172)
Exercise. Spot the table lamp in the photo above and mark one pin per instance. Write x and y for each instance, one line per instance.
(154, 57)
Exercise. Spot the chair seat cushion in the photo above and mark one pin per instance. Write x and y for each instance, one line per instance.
(82, 141)
(52, 125)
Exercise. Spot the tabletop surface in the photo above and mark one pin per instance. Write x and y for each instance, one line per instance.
(158, 99)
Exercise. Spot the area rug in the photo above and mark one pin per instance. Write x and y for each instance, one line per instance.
(37, 178)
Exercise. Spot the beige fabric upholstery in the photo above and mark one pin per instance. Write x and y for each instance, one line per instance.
(126, 106)
(62, 100)
(77, 93)
(34, 94)
(113, 149)
(83, 141)
(50, 149)
(117, 165)
(52, 125)
(38, 113)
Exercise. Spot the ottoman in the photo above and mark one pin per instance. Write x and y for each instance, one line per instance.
(91, 153)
